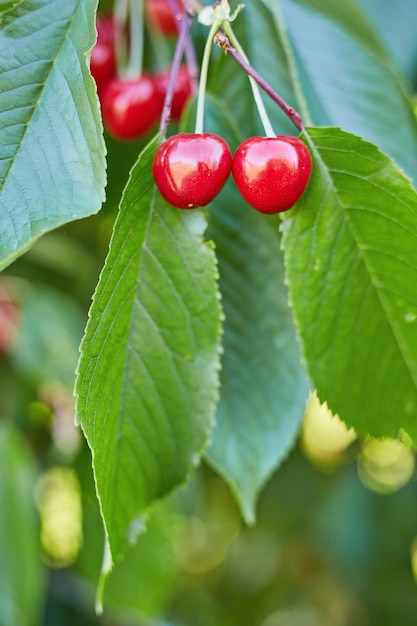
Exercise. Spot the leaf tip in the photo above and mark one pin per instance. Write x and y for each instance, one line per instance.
(248, 512)
(106, 568)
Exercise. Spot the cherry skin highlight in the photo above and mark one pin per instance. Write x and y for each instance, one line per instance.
(182, 90)
(272, 173)
(161, 18)
(190, 169)
(130, 108)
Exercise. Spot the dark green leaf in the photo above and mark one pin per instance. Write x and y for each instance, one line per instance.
(21, 572)
(52, 166)
(351, 256)
(148, 375)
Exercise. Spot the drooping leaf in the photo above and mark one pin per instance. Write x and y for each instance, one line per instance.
(52, 166)
(263, 384)
(21, 573)
(351, 256)
(148, 373)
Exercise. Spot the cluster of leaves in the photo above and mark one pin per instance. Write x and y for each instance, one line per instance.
(191, 349)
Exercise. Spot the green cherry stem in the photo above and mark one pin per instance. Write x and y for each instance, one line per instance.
(199, 122)
(224, 42)
(190, 54)
(134, 68)
(120, 16)
(266, 123)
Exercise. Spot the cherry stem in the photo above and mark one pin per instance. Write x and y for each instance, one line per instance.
(223, 41)
(199, 123)
(178, 8)
(191, 59)
(120, 16)
(134, 69)
(184, 26)
(266, 122)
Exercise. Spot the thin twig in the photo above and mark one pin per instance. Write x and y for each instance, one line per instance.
(184, 27)
(223, 42)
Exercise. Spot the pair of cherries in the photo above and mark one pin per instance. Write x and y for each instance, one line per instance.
(271, 173)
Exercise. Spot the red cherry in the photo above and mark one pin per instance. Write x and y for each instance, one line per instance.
(190, 169)
(272, 173)
(130, 107)
(182, 91)
(160, 17)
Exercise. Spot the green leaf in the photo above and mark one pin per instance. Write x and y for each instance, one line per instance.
(5, 5)
(52, 167)
(351, 256)
(21, 573)
(263, 384)
(148, 375)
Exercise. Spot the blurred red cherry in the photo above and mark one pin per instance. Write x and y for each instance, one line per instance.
(182, 91)
(130, 107)
(160, 17)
